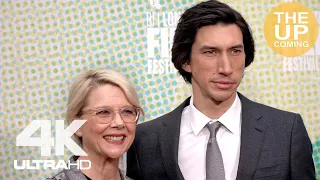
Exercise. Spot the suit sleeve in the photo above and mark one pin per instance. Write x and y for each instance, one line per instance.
(302, 165)
(133, 168)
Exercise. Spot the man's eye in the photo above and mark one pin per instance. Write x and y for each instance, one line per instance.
(236, 51)
(209, 52)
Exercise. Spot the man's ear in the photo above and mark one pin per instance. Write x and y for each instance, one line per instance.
(186, 66)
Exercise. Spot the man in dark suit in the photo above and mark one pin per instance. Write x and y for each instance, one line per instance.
(217, 133)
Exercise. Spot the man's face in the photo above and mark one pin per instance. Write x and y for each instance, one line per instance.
(217, 62)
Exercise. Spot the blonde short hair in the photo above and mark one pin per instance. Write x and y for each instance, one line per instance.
(89, 80)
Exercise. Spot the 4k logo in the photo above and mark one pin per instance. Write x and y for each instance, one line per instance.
(45, 141)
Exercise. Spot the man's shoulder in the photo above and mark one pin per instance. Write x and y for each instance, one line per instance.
(148, 131)
(273, 110)
(158, 122)
(154, 123)
(267, 110)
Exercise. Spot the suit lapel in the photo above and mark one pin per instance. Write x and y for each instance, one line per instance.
(253, 131)
(169, 141)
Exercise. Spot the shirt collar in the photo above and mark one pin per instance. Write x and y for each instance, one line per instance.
(231, 119)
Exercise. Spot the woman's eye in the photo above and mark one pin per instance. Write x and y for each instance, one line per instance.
(128, 112)
(103, 112)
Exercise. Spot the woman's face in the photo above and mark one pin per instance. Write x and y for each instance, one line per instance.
(109, 140)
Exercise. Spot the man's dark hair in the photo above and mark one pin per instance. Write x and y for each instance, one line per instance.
(207, 13)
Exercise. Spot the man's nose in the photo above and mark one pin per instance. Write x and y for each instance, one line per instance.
(225, 65)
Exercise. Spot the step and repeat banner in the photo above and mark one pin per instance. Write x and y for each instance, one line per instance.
(45, 44)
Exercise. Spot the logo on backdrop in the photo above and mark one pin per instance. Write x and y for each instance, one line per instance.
(45, 142)
(155, 3)
(160, 31)
(291, 30)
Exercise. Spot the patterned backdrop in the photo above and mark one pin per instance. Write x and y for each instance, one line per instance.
(45, 44)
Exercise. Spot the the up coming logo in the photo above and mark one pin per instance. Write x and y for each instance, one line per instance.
(291, 29)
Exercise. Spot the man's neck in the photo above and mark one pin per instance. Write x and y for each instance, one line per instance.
(212, 108)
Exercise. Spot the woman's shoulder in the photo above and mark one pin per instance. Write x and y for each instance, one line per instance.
(60, 176)
(64, 175)
(68, 174)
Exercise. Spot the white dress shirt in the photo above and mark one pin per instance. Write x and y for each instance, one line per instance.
(194, 137)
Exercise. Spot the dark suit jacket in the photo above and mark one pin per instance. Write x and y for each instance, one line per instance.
(274, 146)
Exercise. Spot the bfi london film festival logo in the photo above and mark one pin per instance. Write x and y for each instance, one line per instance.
(155, 4)
(160, 31)
(46, 141)
(291, 30)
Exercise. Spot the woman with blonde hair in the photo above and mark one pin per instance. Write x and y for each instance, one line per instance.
(110, 104)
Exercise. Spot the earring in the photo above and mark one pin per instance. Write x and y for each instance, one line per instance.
(79, 134)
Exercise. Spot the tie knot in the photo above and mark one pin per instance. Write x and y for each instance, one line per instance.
(213, 128)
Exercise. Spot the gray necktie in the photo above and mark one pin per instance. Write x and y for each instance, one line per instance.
(214, 162)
